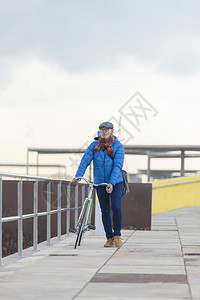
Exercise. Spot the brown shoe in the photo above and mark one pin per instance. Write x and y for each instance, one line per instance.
(118, 241)
(109, 243)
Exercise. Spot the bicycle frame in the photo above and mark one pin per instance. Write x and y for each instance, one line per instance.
(88, 204)
(84, 220)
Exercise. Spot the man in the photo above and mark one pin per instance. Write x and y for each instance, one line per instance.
(107, 170)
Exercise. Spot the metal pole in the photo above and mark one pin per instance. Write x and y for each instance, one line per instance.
(149, 166)
(182, 162)
(20, 225)
(59, 211)
(83, 194)
(90, 172)
(1, 233)
(68, 210)
(76, 206)
(35, 218)
(49, 214)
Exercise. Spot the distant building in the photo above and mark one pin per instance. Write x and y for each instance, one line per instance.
(134, 178)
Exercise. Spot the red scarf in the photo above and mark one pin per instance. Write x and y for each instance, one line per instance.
(105, 143)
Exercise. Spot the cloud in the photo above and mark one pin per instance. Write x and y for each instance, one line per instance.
(87, 35)
(48, 105)
(67, 65)
(45, 105)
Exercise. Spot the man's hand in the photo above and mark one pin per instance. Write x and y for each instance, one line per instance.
(75, 181)
(109, 188)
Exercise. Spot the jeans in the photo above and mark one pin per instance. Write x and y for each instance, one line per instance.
(104, 201)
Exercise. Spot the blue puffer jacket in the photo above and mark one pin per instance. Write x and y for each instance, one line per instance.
(105, 169)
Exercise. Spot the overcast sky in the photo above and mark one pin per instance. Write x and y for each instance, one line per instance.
(66, 66)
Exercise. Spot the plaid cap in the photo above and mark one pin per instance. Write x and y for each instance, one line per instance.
(107, 125)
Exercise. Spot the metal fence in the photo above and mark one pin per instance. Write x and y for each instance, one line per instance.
(20, 216)
(174, 184)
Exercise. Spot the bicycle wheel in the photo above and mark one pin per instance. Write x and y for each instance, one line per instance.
(79, 242)
(80, 229)
(87, 219)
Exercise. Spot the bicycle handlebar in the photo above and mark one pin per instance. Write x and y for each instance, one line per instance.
(90, 183)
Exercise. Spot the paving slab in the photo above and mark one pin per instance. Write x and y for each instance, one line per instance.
(161, 263)
(136, 291)
(195, 290)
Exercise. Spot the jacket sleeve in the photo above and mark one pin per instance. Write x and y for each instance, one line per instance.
(85, 161)
(117, 165)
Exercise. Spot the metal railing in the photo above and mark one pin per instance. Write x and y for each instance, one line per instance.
(173, 184)
(20, 217)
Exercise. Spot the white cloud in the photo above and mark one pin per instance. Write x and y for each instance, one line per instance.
(82, 35)
(66, 66)
(57, 106)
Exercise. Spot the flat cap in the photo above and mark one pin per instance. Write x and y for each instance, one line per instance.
(107, 125)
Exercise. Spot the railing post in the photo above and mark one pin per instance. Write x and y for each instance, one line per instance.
(68, 209)
(182, 162)
(59, 211)
(83, 194)
(35, 218)
(90, 172)
(149, 166)
(48, 213)
(1, 233)
(76, 206)
(20, 225)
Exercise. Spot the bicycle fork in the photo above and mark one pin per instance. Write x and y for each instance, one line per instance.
(84, 219)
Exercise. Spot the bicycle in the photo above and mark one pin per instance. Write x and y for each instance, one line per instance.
(84, 220)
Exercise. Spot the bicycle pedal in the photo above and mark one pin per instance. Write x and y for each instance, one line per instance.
(93, 227)
(73, 230)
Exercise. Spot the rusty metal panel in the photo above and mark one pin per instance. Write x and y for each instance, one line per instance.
(136, 207)
(10, 209)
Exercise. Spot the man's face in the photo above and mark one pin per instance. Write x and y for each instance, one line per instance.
(105, 132)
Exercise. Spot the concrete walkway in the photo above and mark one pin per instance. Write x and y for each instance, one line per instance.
(163, 263)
